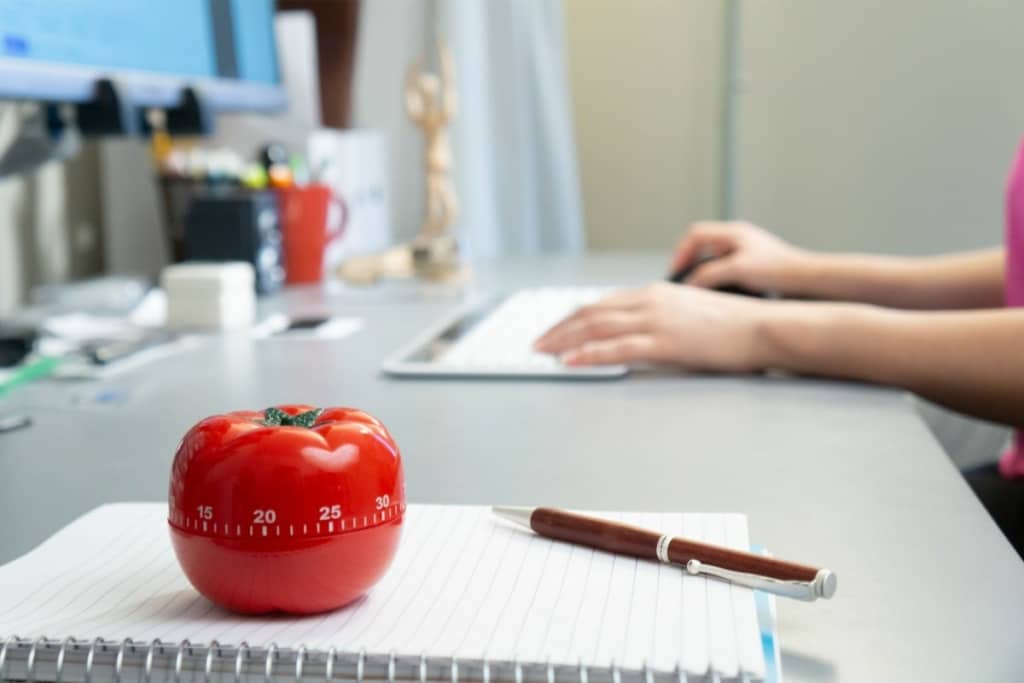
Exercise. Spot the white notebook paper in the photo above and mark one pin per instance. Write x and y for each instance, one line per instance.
(464, 585)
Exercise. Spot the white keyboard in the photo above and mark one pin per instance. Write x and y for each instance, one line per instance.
(501, 344)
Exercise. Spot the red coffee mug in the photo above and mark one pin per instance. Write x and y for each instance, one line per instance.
(305, 232)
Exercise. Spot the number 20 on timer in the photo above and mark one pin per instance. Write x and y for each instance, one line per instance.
(291, 509)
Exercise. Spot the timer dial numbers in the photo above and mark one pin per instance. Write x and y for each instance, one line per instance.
(268, 516)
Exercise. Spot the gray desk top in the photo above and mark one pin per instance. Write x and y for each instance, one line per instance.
(842, 475)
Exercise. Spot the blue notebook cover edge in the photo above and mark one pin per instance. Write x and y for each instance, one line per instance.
(769, 638)
(769, 641)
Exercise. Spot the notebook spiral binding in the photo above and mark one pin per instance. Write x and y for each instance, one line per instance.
(81, 661)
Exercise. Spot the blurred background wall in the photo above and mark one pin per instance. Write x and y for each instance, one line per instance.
(874, 125)
(646, 81)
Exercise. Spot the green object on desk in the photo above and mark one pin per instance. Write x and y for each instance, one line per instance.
(33, 370)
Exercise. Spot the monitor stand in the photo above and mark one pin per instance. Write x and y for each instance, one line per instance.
(37, 143)
(52, 132)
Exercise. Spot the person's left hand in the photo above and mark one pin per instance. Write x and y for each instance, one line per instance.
(692, 327)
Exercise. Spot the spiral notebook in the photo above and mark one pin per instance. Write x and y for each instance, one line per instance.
(468, 598)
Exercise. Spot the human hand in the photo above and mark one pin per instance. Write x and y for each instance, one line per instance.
(662, 322)
(747, 256)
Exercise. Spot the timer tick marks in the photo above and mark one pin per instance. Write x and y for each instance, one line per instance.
(328, 527)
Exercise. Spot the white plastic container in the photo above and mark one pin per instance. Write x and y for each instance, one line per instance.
(201, 295)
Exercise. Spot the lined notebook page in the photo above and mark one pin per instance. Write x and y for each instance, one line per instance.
(463, 583)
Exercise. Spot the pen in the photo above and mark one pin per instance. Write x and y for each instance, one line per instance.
(742, 568)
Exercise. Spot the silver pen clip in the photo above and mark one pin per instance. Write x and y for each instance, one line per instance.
(823, 585)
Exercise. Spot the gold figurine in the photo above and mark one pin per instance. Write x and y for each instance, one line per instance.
(431, 101)
(431, 104)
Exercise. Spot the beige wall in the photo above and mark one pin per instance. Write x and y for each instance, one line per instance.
(646, 80)
(874, 125)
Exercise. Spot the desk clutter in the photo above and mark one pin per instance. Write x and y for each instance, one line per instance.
(88, 330)
(467, 598)
(96, 330)
(271, 213)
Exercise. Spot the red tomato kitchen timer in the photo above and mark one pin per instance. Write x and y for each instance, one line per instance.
(293, 509)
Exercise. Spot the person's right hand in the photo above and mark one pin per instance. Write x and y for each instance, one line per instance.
(747, 256)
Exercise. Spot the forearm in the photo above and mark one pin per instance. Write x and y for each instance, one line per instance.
(971, 361)
(956, 281)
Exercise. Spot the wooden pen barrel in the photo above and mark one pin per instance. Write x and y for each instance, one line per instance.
(630, 540)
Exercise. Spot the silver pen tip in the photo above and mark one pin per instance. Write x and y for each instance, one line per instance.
(517, 515)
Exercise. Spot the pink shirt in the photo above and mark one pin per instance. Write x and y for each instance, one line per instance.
(1012, 463)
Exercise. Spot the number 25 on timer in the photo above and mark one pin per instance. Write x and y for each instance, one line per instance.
(329, 512)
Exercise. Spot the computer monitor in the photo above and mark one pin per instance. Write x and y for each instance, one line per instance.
(57, 51)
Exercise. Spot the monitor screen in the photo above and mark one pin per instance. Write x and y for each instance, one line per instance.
(55, 50)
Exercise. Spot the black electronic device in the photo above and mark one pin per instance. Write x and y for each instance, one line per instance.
(682, 274)
(232, 224)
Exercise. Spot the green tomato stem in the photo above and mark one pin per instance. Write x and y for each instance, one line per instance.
(275, 417)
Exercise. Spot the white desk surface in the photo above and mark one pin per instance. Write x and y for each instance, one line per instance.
(841, 475)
